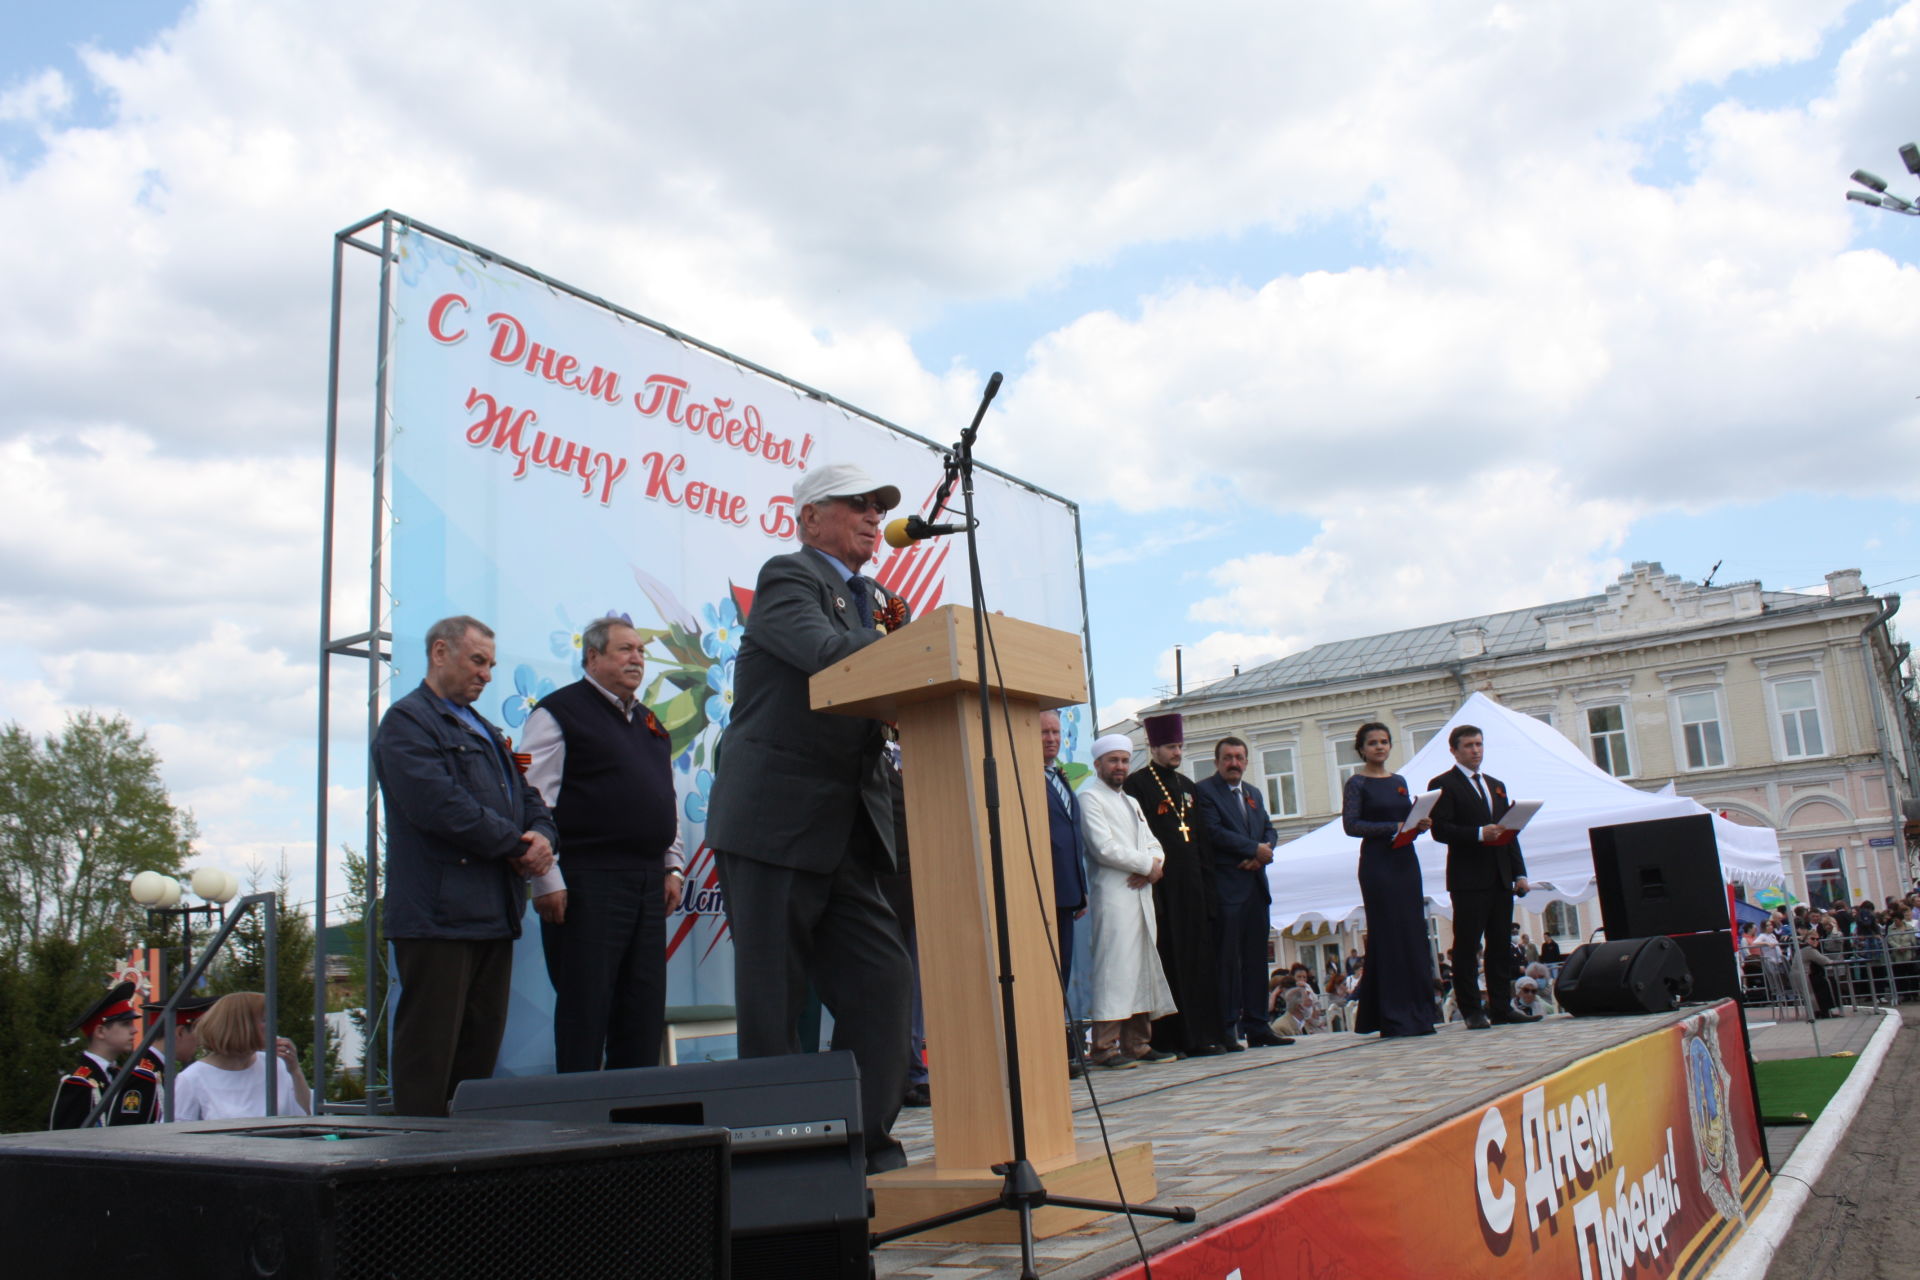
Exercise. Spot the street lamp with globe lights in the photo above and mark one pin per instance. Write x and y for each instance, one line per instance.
(1876, 192)
(161, 894)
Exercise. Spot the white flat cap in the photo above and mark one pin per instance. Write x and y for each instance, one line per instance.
(841, 480)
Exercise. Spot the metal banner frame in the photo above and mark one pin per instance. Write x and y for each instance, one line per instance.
(372, 642)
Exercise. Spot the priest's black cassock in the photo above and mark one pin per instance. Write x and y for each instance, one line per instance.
(1186, 912)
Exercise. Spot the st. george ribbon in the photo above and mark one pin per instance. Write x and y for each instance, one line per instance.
(911, 529)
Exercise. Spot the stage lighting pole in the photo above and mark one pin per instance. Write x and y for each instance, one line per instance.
(1876, 193)
(1021, 1188)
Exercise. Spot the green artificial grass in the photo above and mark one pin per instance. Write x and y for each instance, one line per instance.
(1796, 1090)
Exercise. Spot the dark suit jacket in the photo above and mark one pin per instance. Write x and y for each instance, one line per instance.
(790, 781)
(456, 808)
(1457, 818)
(1234, 827)
(1069, 868)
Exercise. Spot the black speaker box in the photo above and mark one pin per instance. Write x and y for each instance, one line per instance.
(347, 1198)
(1659, 877)
(800, 1204)
(1634, 975)
(1711, 961)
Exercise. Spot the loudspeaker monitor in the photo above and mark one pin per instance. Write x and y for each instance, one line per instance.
(800, 1203)
(345, 1197)
(1634, 975)
(1711, 960)
(1661, 876)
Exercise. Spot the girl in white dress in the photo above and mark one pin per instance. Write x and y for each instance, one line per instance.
(229, 1083)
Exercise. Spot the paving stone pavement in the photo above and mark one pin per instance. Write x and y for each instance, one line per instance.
(1793, 1036)
(1232, 1133)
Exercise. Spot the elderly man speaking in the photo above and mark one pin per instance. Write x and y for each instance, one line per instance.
(801, 818)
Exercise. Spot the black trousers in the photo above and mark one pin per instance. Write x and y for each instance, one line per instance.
(607, 961)
(451, 1016)
(1243, 965)
(835, 929)
(1483, 918)
(1063, 939)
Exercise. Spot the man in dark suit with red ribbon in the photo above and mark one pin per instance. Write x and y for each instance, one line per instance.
(1243, 838)
(1485, 872)
(801, 816)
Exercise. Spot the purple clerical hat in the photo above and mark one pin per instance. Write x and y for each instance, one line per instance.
(1162, 730)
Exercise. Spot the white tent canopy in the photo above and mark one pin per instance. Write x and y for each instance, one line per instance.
(1315, 878)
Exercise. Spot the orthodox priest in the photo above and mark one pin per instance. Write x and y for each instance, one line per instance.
(1186, 912)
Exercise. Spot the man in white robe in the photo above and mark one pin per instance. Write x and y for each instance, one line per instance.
(1129, 988)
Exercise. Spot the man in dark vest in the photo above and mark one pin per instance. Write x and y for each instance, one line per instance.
(600, 760)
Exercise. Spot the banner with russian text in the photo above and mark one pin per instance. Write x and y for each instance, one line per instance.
(553, 462)
(1639, 1162)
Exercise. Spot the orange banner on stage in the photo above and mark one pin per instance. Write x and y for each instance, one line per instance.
(1641, 1161)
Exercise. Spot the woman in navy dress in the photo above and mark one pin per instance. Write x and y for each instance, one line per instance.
(1396, 987)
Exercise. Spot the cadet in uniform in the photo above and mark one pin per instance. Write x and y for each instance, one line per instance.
(141, 1100)
(111, 1027)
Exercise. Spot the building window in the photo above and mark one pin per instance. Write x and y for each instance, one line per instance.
(1699, 716)
(1826, 877)
(1561, 920)
(1798, 705)
(1346, 763)
(1424, 735)
(1544, 717)
(1283, 787)
(1607, 738)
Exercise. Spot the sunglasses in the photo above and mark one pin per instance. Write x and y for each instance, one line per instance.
(864, 502)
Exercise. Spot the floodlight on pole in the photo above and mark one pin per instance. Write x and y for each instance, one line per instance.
(1876, 193)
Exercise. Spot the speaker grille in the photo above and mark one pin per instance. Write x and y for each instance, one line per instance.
(626, 1216)
(791, 1255)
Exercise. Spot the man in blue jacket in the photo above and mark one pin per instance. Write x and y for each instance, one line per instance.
(1069, 867)
(1243, 838)
(464, 831)
(1063, 824)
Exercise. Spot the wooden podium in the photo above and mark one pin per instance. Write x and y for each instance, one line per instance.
(924, 677)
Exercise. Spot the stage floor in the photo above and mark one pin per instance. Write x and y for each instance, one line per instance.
(1235, 1132)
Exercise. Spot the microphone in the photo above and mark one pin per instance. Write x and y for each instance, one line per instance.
(904, 533)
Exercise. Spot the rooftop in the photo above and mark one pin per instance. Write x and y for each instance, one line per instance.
(1645, 599)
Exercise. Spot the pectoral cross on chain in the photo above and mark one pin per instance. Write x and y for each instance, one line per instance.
(1186, 802)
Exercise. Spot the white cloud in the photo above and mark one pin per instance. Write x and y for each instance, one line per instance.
(36, 99)
(1516, 538)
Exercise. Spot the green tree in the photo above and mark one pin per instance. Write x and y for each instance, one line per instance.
(81, 811)
(242, 963)
(357, 905)
(80, 814)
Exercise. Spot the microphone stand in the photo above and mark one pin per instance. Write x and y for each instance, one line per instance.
(1021, 1188)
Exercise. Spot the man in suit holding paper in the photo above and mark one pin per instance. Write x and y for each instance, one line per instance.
(1485, 872)
(1243, 838)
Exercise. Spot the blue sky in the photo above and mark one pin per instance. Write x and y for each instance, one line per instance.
(1334, 320)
